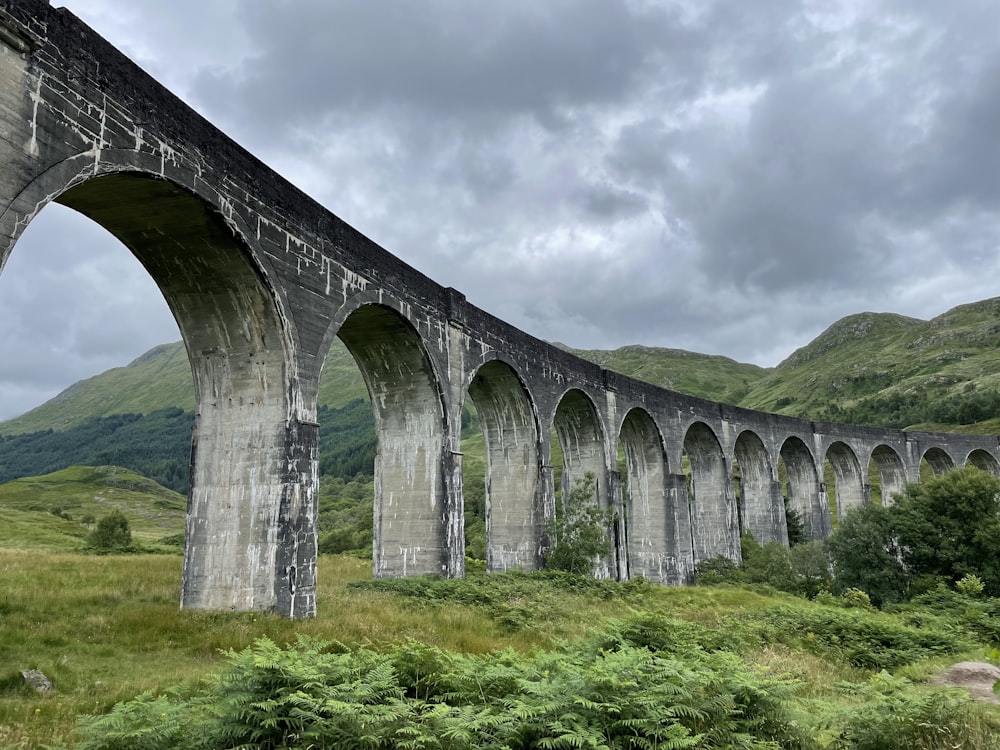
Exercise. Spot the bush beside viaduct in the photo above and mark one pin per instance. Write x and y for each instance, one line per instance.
(260, 279)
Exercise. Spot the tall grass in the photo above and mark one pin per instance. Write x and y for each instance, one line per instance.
(106, 629)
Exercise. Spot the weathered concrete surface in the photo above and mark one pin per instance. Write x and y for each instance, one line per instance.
(262, 279)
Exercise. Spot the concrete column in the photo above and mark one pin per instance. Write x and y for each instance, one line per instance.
(252, 495)
(679, 532)
(454, 515)
(619, 548)
(295, 565)
(547, 487)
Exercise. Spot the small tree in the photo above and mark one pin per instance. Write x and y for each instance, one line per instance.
(812, 568)
(112, 533)
(579, 532)
(866, 555)
(797, 533)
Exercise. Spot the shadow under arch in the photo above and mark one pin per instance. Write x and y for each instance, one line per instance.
(414, 528)
(891, 473)
(714, 521)
(803, 490)
(850, 482)
(938, 460)
(984, 461)
(515, 514)
(655, 529)
(250, 539)
(760, 500)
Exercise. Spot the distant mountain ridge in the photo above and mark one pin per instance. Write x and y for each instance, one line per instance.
(873, 368)
(891, 370)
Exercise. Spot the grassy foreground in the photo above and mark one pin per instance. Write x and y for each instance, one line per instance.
(105, 629)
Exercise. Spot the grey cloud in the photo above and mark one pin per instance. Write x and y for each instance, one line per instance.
(443, 58)
(721, 176)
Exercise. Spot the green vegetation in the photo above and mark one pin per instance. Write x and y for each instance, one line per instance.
(579, 532)
(552, 659)
(605, 692)
(57, 511)
(112, 534)
(889, 370)
(516, 659)
(941, 531)
(474, 663)
(156, 445)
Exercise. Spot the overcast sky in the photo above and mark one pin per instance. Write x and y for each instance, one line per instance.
(724, 177)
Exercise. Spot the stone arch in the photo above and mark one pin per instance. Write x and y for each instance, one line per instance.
(891, 472)
(760, 500)
(938, 460)
(850, 482)
(414, 528)
(803, 488)
(714, 523)
(984, 461)
(514, 501)
(250, 528)
(581, 438)
(653, 521)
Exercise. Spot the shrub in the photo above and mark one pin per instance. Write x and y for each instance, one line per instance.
(970, 585)
(893, 716)
(866, 555)
(796, 527)
(322, 695)
(112, 534)
(948, 527)
(870, 640)
(716, 570)
(803, 570)
(856, 599)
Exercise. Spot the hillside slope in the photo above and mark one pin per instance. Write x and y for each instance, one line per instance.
(869, 368)
(890, 370)
(708, 376)
(161, 378)
(56, 511)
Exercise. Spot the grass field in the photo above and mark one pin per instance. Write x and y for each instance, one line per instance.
(107, 628)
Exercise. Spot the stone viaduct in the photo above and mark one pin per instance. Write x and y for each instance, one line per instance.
(260, 279)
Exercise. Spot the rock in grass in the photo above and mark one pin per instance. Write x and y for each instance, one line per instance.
(37, 679)
(977, 677)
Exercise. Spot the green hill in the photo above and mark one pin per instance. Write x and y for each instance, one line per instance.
(890, 370)
(56, 511)
(161, 379)
(708, 376)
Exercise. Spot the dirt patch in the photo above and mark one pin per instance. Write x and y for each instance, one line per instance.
(977, 677)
